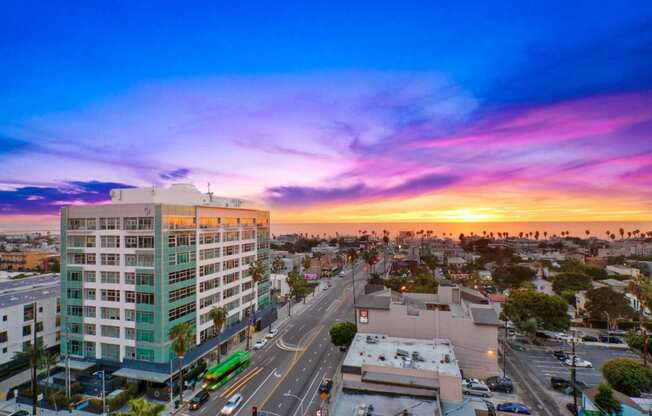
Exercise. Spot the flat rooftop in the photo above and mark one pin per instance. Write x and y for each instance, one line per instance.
(349, 404)
(29, 289)
(382, 351)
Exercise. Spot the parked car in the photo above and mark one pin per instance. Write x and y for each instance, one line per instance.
(502, 384)
(20, 413)
(476, 389)
(272, 333)
(232, 405)
(611, 339)
(473, 380)
(199, 399)
(260, 343)
(519, 408)
(561, 355)
(325, 386)
(578, 362)
(564, 385)
(590, 338)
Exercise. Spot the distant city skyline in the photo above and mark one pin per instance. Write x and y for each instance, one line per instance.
(331, 113)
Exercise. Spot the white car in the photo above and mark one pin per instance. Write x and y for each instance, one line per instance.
(272, 333)
(472, 380)
(260, 343)
(232, 405)
(578, 363)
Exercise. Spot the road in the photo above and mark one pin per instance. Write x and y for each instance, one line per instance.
(284, 377)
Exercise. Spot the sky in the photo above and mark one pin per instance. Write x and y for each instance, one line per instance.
(332, 111)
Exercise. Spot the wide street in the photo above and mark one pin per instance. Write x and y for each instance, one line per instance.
(284, 377)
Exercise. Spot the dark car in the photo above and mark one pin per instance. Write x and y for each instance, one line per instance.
(564, 385)
(325, 386)
(502, 384)
(519, 408)
(571, 408)
(491, 409)
(20, 413)
(561, 355)
(590, 338)
(199, 399)
(611, 339)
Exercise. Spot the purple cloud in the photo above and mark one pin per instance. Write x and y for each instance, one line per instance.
(49, 200)
(174, 174)
(306, 195)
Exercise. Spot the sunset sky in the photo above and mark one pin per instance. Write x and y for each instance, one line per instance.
(333, 112)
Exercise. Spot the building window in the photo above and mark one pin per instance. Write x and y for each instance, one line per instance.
(144, 335)
(181, 311)
(230, 264)
(82, 224)
(231, 236)
(209, 238)
(248, 234)
(110, 241)
(76, 329)
(89, 294)
(131, 223)
(4, 318)
(131, 242)
(248, 247)
(247, 285)
(231, 277)
(181, 293)
(130, 333)
(74, 276)
(89, 348)
(27, 330)
(145, 260)
(130, 315)
(74, 293)
(39, 327)
(209, 300)
(3, 337)
(230, 250)
(177, 240)
(145, 317)
(110, 352)
(130, 352)
(130, 278)
(110, 277)
(28, 312)
(110, 313)
(209, 253)
(130, 260)
(231, 292)
(109, 223)
(89, 329)
(89, 276)
(130, 296)
(146, 242)
(145, 298)
(144, 354)
(145, 279)
(110, 259)
(209, 284)
(110, 331)
(89, 312)
(181, 275)
(111, 295)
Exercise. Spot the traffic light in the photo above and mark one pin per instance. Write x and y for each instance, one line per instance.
(254, 411)
(403, 288)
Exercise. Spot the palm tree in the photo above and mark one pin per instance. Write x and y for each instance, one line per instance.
(613, 236)
(277, 265)
(386, 242)
(218, 315)
(608, 234)
(256, 271)
(587, 232)
(621, 231)
(48, 360)
(545, 235)
(181, 336)
(306, 262)
(369, 257)
(641, 289)
(142, 407)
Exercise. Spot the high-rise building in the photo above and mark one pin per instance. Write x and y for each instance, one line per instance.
(151, 259)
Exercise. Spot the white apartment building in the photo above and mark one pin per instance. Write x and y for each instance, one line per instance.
(153, 258)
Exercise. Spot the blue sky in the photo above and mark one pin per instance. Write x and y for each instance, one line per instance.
(324, 87)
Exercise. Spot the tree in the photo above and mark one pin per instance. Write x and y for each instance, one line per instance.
(571, 281)
(142, 407)
(218, 315)
(306, 262)
(550, 312)
(604, 302)
(370, 257)
(628, 375)
(277, 265)
(641, 289)
(181, 336)
(298, 285)
(256, 271)
(342, 333)
(605, 401)
(512, 276)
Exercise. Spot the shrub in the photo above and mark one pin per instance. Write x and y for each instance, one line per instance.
(628, 376)
(342, 333)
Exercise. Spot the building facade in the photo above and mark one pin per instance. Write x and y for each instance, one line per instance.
(153, 258)
(25, 260)
(17, 327)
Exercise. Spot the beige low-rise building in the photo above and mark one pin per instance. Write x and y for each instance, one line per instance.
(471, 328)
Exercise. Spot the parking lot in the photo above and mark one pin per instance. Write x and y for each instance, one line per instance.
(544, 365)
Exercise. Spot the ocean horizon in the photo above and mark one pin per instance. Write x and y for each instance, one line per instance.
(574, 228)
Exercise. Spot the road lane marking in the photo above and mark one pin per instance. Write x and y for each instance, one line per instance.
(244, 405)
(306, 395)
(240, 383)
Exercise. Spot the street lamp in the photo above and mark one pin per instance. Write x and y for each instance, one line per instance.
(298, 398)
(103, 390)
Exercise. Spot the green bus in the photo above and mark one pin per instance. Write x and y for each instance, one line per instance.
(220, 374)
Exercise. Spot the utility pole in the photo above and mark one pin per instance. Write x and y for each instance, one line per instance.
(353, 278)
(34, 361)
(505, 352)
(573, 375)
(67, 329)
